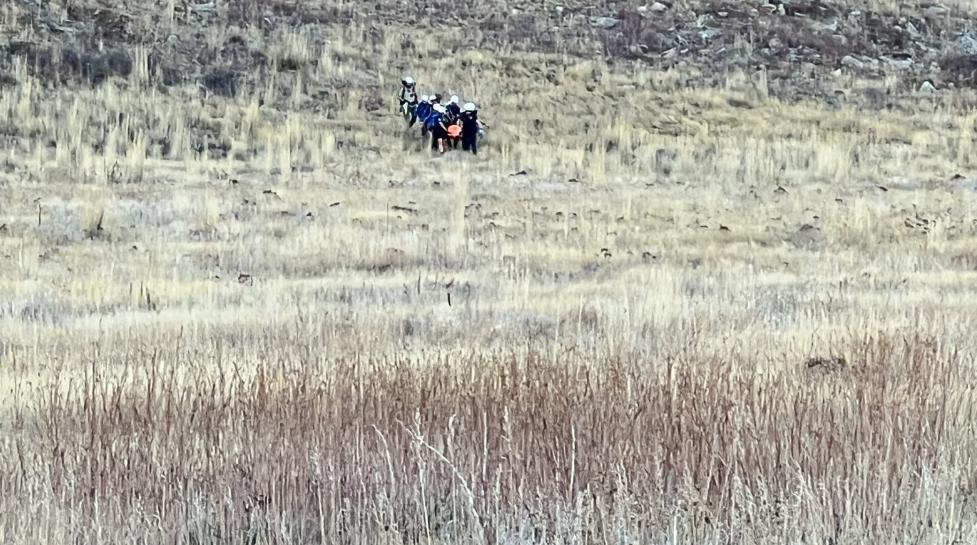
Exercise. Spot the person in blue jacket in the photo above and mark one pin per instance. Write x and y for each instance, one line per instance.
(422, 111)
(435, 124)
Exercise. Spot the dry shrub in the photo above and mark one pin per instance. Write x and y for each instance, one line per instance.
(68, 64)
(505, 448)
(960, 69)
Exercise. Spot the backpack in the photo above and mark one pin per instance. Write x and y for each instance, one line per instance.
(450, 118)
(432, 120)
(408, 94)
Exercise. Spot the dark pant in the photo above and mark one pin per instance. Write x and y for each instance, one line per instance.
(412, 108)
(470, 143)
(440, 134)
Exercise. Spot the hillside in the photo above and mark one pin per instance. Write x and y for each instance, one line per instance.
(710, 279)
(218, 45)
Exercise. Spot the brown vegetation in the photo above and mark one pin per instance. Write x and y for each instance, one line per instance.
(503, 447)
(712, 280)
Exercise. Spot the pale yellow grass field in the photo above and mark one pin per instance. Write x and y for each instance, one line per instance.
(681, 251)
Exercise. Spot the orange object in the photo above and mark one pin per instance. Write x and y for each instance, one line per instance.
(454, 131)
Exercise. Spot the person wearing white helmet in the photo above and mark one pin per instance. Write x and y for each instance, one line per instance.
(422, 111)
(408, 100)
(439, 131)
(470, 127)
(451, 117)
(431, 118)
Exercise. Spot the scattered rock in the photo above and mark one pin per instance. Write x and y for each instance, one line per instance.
(927, 88)
(897, 63)
(851, 62)
(859, 62)
(828, 364)
(936, 11)
(709, 33)
(967, 42)
(827, 27)
(606, 23)
(808, 237)
(919, 222)
(405, 209)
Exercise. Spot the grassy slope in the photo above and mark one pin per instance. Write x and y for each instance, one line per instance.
(626, 353)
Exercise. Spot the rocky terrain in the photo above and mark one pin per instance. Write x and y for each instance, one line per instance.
(801, 45)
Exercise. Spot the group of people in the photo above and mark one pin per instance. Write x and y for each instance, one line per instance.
(448, 124)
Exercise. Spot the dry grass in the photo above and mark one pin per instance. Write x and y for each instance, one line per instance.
(263, 445)
(663, 306)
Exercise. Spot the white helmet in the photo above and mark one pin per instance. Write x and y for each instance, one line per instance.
(408, 80)
(423, 98)
(470, 107)
(439, 108)
(454, 99)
